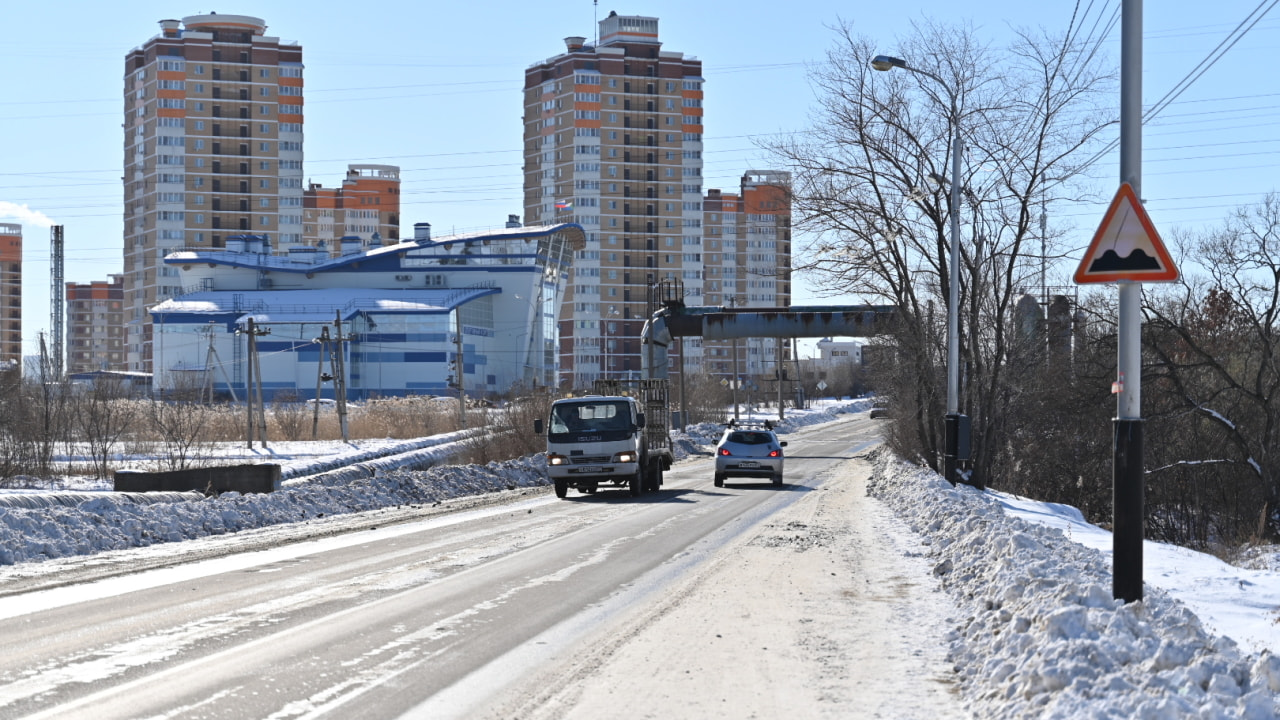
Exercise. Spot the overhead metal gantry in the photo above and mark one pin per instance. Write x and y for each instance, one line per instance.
(721, 323)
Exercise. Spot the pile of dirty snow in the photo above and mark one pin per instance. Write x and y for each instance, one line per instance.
(114, 522)
(1045, 639)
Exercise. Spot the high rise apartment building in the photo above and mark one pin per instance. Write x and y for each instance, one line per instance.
(10, 295)
(212, 147)
(95, 325)
(366, 206)
(613, 141)
(747, 263)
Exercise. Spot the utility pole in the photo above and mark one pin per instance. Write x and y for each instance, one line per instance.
(206, 389)
(340, 375)
(253, 393)
(1127, 476)
(782, 376)
(57, 298)
(459, 371)
(213, 360)
(734, 383)
(320, 378)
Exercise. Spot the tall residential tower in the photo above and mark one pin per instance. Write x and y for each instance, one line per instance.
(10, 295)
(212, 148)
(613, 141)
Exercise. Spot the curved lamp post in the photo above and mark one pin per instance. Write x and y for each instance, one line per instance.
(953, 420)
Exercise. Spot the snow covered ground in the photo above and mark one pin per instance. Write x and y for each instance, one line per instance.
(1043, 637)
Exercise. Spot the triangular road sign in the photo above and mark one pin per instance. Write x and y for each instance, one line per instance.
(1126, 246)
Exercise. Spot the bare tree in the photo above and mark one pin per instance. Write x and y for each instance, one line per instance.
(102, 416)
(180, 420)
(1215, 382)
(866, 182)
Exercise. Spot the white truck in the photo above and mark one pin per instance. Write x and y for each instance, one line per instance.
(619, 437)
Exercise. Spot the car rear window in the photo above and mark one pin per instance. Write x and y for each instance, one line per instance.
(751, 438)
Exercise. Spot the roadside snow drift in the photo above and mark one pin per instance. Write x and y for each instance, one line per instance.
(1045, 639)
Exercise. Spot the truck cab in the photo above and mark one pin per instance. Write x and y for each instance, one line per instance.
(598, 439)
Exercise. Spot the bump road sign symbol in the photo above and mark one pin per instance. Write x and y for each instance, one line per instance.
(1126, 246)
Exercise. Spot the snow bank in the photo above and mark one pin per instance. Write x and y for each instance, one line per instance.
(695, 437)
(1043, 637)
(111, 522)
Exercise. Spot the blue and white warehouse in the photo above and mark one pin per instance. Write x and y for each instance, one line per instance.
(406, 318)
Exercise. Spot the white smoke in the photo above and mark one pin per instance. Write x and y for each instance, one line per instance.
(24, 214)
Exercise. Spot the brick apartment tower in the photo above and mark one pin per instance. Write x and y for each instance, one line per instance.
(747, 263)
(10, 296)
(95, 325)
(367, 206)
(613, 141)
(212, 147)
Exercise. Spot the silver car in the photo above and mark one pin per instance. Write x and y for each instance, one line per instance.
(749, 451)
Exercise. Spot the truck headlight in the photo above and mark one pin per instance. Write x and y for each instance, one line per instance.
(624, 457)
(557, 459)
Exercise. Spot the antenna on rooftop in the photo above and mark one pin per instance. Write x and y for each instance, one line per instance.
(595, 22)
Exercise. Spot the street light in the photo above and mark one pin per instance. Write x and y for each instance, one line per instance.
(953, 420)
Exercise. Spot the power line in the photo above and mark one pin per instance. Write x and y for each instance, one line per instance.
(1196, 73)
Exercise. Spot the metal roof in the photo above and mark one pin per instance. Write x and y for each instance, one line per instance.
(283, 263)
(315, 306)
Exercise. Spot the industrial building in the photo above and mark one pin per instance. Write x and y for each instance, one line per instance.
(413, 318)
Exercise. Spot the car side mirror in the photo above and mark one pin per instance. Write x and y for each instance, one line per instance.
(640, 420)
(782, 444)
(537, 426)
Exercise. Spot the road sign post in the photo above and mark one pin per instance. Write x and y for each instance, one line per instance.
(1128, 250)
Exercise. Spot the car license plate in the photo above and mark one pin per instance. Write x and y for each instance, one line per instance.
(589, 469)
(748, 464)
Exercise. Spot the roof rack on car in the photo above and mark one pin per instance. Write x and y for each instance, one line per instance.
(734, 422)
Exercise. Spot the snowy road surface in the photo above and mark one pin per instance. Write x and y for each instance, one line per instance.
(500, 607)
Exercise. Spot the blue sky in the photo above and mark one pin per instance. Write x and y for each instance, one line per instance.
(435, 88)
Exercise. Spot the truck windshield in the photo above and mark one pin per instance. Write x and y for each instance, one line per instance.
(587, 417)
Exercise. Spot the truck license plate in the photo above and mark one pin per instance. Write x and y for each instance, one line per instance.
(748, 464)
(589, 469)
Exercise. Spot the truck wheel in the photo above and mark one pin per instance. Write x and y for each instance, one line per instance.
(653, 478)
(562, 488)
(636, 484)
(719, 480)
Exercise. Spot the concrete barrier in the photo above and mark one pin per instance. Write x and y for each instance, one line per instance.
(255, 478)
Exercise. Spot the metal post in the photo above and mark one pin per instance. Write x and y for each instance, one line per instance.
(951, 439)
(248, 394)
(734, 383)
(340, 375)
(684, 405)
(782, 415)
(462, 391)
(1127, 470)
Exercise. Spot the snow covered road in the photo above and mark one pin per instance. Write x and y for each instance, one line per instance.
(995, 607)
(428, 618)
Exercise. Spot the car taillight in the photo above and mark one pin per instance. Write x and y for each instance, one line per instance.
(725, 451)
(775, 453)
